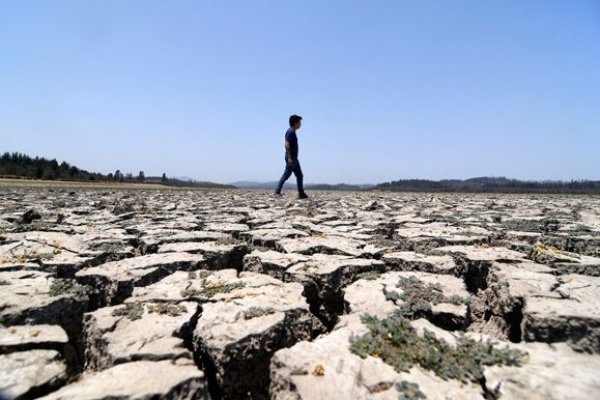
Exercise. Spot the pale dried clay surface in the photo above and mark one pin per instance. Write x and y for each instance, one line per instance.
(150, 294)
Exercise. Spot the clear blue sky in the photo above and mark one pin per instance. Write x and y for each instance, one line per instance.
(387, 89)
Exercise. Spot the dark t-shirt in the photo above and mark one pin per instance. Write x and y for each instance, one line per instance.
(292, 139)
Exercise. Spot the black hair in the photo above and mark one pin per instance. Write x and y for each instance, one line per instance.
(294, 119)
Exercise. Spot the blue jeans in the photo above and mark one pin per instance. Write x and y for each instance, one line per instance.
(297, 170)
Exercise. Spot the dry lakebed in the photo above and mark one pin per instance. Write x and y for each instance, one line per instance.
(233, 294)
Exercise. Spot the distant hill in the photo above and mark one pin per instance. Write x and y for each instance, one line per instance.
(18, 165)
(491, 184)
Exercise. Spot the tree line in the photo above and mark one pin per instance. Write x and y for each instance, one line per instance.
(18, 165)
(492, 184)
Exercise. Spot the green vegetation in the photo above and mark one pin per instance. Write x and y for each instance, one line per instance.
(397, 343)
(255, 312)
(210, 290)
(409, 391)
(456, 300)
(132, 311)
(21, 165)
(172, 310)
(18, 165)
(417, 297)
(59, 287)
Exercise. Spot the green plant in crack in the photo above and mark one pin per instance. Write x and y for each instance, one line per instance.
(255, 312)
(409, 391)
(132, 311)
(418, 297)
(172, 310)
(391, 295)
(68, 286)
(455, 299)
(212, 289)
(396, 342)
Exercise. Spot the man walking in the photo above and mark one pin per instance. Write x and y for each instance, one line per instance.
(292, 164)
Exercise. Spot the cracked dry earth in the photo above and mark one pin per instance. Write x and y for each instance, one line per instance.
(236, 295)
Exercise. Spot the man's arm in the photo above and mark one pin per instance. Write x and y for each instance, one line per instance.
(288, 153)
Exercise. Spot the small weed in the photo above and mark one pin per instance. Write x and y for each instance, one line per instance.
(418, 297)
(456, 300)
(255, 312)
(64, 286)
(397, 343)
(210, 290)
(392, 296)
(409, 391)
(172, 310)
(132, 311)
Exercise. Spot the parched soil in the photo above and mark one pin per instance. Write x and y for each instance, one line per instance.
(223, 294)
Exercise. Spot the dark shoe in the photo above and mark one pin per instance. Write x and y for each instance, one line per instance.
(302, 196)
(277, 195)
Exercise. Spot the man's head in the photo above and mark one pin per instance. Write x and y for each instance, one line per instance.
(295, 121)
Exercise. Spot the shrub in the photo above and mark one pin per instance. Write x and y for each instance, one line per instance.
(132, 311)
(65, 286)
(172, 310)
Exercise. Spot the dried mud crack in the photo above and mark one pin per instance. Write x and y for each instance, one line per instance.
(236, 295)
